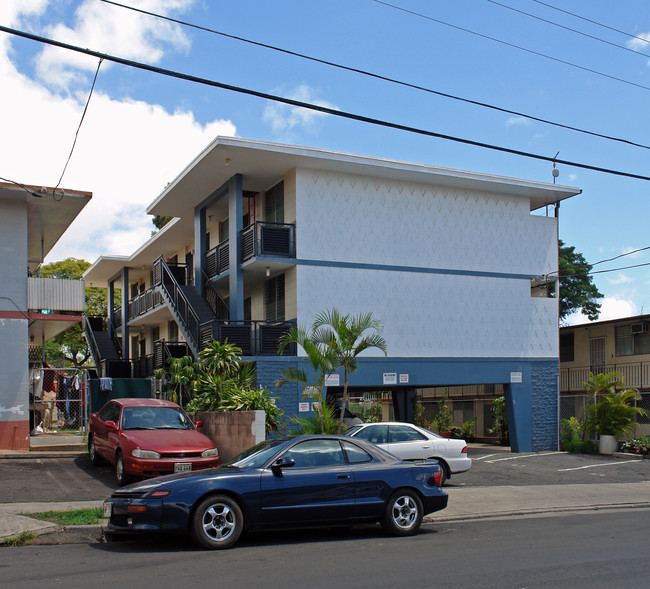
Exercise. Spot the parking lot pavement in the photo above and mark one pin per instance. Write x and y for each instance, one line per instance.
(497, 466)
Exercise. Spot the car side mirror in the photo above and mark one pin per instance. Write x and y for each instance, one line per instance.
(281, 463)
(111, 425)
(198, 424)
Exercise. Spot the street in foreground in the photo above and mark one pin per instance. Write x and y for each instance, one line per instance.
(591, 549)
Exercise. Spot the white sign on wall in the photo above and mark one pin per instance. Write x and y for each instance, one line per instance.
(303, 407)
(403, 378)
(333, 380)
(390, 377)
(516, 377)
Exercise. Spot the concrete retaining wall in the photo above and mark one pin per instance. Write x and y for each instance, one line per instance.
(233, 431)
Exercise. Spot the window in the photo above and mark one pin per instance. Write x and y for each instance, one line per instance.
(110, 412)
(135, 347)
(223, 230)
(355, 454)
(403, 433)
(567, 347)
(316, 453)
(377, 434)
(631, 344)
(274, 298)
(172, 331)
(274, 204)
(155, 333)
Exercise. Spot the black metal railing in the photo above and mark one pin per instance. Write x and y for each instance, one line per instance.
(145, 302)
(255, 338)
(636, 375)
(162, 350)
(217, 259)
(268, 239)
(166, 280)
(214, 299)
(89, 326)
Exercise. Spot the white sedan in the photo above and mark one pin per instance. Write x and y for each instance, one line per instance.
(410, 442)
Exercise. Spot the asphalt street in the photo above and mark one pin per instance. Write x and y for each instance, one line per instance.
(590, 550)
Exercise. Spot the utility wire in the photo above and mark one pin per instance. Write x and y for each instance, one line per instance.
(642, 249)
(576, 31)
(378, 76)
(512, 45)
(80, 123)
(593, 22)
(314, 107)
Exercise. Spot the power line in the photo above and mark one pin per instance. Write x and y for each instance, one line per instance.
(314, 107)
(619, 269)
(594, 22)
(378, 76)
(512, 45)
(576, 31)
(642, 249)
(80, 123)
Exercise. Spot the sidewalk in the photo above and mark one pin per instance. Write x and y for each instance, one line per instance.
(465, 503)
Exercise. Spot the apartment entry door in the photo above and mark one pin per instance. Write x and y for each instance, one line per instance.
(597, 355)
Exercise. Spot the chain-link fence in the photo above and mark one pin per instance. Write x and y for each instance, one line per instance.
(58, 400)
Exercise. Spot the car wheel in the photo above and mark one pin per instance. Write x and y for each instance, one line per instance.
(123, 478)
(403, 514)
(95, 458)
(217, 522)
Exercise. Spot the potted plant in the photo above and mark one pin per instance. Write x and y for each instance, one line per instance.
(612, 414)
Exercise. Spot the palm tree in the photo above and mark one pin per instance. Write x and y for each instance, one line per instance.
(320, 357)
(347, 337)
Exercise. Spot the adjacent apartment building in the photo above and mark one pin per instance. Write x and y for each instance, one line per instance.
(621, 345)
(32, 309)
(265, 235)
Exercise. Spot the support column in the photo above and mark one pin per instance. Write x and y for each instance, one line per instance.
(519, 410)
(235, 227)
(200, 246)
(404, 404)
(125, 313)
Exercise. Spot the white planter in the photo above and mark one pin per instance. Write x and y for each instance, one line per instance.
(607, 444)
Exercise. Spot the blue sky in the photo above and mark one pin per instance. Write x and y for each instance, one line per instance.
(141, 128)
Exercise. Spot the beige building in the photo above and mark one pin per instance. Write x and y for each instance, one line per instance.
(622, 345)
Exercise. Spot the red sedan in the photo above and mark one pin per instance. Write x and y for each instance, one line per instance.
(147, 438)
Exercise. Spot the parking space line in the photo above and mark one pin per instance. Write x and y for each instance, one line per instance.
(597, 465)
(486, 456)
(524, 456)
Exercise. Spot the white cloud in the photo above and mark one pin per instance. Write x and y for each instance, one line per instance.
(620, 278)
(110, 29)
(283, 117)
(512, 121)
(125, 154)
(640, 43)
(611, 308)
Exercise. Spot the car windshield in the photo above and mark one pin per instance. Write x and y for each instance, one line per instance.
(352, 430)
(258, 455)
(155, 418)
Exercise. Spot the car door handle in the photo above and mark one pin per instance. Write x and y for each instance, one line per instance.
(342, 476)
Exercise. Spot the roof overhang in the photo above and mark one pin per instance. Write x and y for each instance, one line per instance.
(49, 213)
(262, 164)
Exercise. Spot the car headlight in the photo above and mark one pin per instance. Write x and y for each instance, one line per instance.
(145, 453)
(209, 452)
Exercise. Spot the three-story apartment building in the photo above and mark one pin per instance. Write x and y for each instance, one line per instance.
(265, 235)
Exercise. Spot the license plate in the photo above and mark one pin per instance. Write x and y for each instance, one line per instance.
(182, 466)
(108, 509)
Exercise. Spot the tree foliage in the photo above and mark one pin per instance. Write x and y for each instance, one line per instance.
(577, 290)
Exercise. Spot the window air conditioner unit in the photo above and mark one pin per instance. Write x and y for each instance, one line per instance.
(638, 328)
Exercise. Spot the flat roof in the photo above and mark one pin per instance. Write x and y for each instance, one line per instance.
(263, 163)
(49, 214)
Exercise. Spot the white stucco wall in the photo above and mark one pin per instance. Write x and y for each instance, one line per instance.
(363, 221)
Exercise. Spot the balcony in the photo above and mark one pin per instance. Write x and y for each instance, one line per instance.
(259, 239)
(55, 294)
(255, 338)
(636, 375)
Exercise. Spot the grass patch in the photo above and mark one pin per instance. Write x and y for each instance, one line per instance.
(22, 539)
(74, 517)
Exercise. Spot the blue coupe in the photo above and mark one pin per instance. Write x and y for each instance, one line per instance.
(303, 481)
